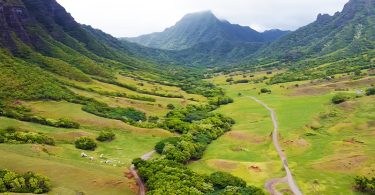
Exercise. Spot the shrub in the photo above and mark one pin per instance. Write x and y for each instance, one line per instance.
(265, 90)
(365, 184)
(13, 136)
(340, 98)
(222, 100)
(85, 143)
(171, 107)
(106, 136)
(241, 81)
(125, 114)
(370, 91)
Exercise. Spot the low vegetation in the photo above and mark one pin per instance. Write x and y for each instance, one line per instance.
(370, 91)
(365, 184)
(129, 115)
(265, 90)
(340, 98)
(106, 136)
(169, 177)
(22, 113)
(26, 183)
(13, 136)
(85, 143)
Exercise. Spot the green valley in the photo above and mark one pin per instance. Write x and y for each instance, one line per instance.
(204, 107)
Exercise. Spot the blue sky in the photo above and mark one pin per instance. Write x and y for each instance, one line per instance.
(128, 18)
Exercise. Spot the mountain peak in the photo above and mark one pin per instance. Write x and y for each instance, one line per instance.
(198, 16)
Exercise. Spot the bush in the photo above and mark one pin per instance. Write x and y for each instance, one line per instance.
(13, 136)
(340, 98)
(26, 183)
(370, 91)
(365, 184)
(124, 114)
(171, 107)
(22, 113)
(106, 136)
(221, 180)
(222, 100)
(85, 143)
(265, 90)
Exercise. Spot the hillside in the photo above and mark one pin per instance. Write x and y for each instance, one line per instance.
(348, 32)
(201, 39)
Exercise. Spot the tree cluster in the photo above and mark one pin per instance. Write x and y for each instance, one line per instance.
(25, 183)
(365, 184)
(14, 136)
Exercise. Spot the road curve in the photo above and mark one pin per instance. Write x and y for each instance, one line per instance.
(133, 171)
(292, 184)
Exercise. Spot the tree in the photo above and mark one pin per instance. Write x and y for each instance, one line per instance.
(171, 107)
(85, 143)
(370, 91)
(221, 180)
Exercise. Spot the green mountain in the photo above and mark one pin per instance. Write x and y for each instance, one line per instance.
(201, 39)
(40, 41)
(349, 32)
(341, 43)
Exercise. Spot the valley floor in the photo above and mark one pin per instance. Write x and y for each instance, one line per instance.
(326, 145)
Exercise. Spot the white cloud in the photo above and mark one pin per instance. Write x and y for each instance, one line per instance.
(135, 17)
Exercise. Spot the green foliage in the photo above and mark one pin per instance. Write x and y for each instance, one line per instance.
(197, 86)
(265, 90)
(85, 143)
(106, 136)
(168, 177)
(171, 107)
(14, 136)
(370, 91)
(221, 180)
(241, 81)
(21, 80)
(26, 183)
(20, 112)
(134, 88)
(199, 127)
(234, 190)
(130, 115)
(340, 98)
(221, 100)
(364, 184)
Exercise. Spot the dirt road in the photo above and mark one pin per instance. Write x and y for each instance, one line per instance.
(289, 178)
(133, 171)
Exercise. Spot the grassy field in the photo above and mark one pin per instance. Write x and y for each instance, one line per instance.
(324, 153)
(68, 171)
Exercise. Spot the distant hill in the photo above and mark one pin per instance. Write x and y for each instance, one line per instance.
(341, 43)
(349, 32)
(203, 39)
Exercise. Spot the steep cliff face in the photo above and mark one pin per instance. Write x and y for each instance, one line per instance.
(13, 18)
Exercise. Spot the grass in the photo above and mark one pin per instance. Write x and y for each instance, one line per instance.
(322, 164)
(62, 163)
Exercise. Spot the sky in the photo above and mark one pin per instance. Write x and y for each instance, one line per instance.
(130, 18)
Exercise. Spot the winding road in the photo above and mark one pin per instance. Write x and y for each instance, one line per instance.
(270, 185)
(133, 171)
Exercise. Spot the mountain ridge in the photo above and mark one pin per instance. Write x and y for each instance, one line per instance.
(199, 27)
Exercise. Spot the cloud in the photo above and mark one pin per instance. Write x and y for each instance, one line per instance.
(126, 18)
